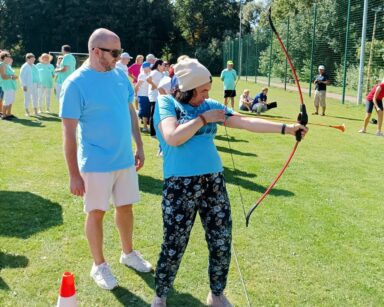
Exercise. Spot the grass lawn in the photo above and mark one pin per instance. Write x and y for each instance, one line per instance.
(317, 239)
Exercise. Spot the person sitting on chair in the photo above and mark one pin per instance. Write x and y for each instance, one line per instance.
(260, 105)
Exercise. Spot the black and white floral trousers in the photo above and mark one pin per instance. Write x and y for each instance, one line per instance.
(183, 197)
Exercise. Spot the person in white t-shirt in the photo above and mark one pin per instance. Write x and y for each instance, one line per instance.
(153, 81)
(141, 92)
(123, 62)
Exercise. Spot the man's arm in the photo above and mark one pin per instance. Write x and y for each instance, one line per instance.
(139, 154)
(70, 151)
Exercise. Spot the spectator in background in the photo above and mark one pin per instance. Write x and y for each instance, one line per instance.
(29, 79)
(166, 68)
(229, 76)
(151, 59)
(134, 69)
(123, 62)
(8, 84)
(374, 100)
(1, 93)
(260, 105)
(245, 102)
(141, 92)
(321, 81)
(153, 81)
(57, 85)
(67, 66)
(46, 72)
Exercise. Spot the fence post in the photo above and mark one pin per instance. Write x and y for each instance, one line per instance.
(362, 54)
(286, 60)
(312, 49)
(270, 61)
(346, 52)
(246, 57)
(257, 57)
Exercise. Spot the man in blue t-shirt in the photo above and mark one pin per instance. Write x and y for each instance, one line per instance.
(98, 98)
(321, 81)
(229, 76)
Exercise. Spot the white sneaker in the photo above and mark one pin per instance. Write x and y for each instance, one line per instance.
(362, 130)
(217, 301)
(159, 302)
(103, 276)
(379, 133)
(136, 261)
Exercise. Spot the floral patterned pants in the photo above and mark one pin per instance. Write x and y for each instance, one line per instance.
(183, 197)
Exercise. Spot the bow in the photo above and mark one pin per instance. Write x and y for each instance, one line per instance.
(302, 119)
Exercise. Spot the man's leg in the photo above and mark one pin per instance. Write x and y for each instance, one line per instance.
(94, 232)
(232, 102)
(124, 223)
(379, 120)
(316, 103)
(225, 101)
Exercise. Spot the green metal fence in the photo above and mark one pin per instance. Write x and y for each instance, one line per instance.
(331, 34)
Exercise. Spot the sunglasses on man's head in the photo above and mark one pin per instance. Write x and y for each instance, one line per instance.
(114, 52)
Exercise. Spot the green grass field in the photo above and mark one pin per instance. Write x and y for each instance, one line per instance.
(317, 239)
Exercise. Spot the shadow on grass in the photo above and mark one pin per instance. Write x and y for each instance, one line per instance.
(235, 152)
(266, 116)
(347, 118)
(49, 118)
(23, 214)
(127, 298)
(175, 298)
(26, 122)
(150, 185)
(231, 139)
(237, 178)
(11, 261)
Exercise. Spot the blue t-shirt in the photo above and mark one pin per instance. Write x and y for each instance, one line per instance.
(321, 86)
(261, 97)
(197, 156)
(100, 101)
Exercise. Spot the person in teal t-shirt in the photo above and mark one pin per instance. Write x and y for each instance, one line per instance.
(67, 67)
(186, 124)
(46, 72)
(229, 76)
(8, 84)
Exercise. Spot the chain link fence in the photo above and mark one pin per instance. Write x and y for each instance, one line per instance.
(330, 34)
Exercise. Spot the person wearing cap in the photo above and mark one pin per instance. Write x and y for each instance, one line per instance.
(321, 81)
(29, 79)
(141, 92)
(186, 125)
(123, 62)
(229, 76)
(46, 73)
(151, 59)
(66, 68)
(374, 100)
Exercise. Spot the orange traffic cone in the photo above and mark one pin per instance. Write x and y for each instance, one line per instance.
(67, 295)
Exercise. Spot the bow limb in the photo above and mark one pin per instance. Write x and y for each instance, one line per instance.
(302, 119)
